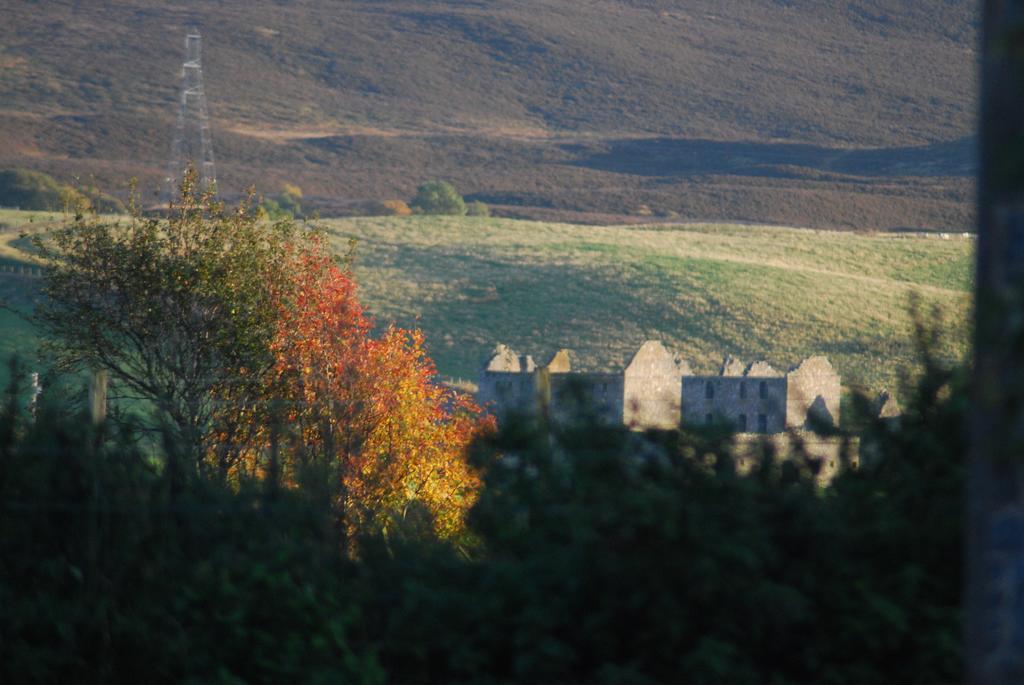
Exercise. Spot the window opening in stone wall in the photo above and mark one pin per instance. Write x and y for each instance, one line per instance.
(762, 390)
(743, 422)
(709, 391)
(708, 419)
(743, 390)
(762, 423)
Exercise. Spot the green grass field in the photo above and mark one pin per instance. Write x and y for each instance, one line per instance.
(755, 292)
(17, 292)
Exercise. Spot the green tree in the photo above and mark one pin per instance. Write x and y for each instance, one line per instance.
(36, 190)
(176, 310)
(289, 199)
(270, 209)
(286, 205)
(438, 197)
(477, 208)
(109, 572)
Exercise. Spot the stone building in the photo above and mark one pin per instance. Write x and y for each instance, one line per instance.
(753, 399)
(657, 389)
(508, 382)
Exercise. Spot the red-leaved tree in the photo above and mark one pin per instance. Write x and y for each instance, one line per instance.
(369, 407)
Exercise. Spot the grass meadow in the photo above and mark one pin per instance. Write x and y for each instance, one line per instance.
(706, 290)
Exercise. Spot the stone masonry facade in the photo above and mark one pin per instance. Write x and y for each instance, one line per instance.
(659, 390)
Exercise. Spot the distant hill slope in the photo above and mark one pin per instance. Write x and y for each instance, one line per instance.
(707, 290)
(700, 108)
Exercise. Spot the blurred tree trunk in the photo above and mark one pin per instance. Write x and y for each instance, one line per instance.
(995, 546)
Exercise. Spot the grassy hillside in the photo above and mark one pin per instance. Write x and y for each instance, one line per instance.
(18, 291)
(845, 113)
(707, 290)
(755, 292)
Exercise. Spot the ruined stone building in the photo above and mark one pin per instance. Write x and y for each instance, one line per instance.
(658, 390)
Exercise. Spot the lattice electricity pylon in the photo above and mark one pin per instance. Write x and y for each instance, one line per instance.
(192, 143)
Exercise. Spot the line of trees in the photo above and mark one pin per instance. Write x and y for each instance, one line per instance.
(597, 556)
(34, 190)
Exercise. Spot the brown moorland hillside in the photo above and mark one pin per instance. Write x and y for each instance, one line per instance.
(844, 113)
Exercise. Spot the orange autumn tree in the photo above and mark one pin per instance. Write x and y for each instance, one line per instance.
(369, 407)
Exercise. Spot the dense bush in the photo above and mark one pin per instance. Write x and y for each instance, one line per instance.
(477, 208)
(113, 569)
(101, 202)
(395, 208)
(611, 557)
(285, 205)
(438, 197)
(604, 556)
(37, 191)
(381, 208)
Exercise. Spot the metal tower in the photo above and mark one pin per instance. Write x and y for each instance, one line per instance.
(192, 143)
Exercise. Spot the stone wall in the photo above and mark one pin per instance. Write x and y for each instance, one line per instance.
(595, 394)
(748, 404)
(651, 384)
(508, 383)
(657, 390)
(813, 394)
(506, 392)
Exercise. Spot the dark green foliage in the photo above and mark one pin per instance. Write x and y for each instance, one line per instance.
(175, 310)
(101, 202)
(290, 204)
(110, 570)
(35, 190)
(284, 206)
(438, 197)
(273, 210)
(618, 558)
(604, 556)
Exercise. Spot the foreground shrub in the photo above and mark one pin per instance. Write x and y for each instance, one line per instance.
(604, 556)
(112, 570)
(614, 557)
